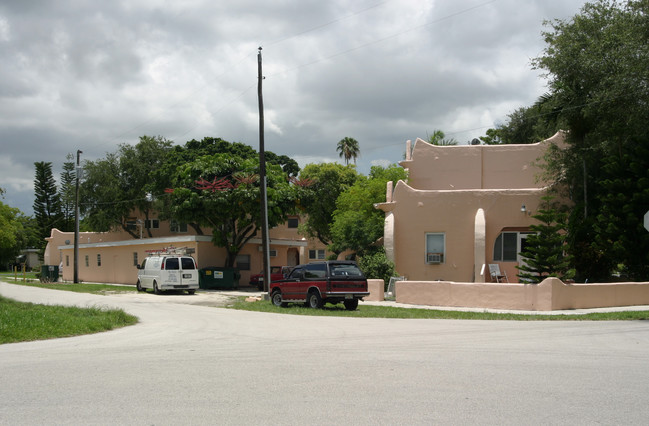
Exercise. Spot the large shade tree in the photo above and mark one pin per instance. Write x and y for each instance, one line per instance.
(357, 224)
(328, 181)
(597, 65)
(222, 192)
(119, 184)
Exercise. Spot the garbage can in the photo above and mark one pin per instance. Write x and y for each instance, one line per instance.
(216, 278)
(49, 273)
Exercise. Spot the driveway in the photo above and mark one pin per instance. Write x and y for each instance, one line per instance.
(197, 364)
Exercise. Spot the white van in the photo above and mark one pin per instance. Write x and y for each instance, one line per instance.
(168, 272)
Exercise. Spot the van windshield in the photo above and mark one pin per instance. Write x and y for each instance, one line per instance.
(187, 263)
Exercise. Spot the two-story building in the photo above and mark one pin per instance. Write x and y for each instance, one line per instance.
(463, 208)
(112, 257)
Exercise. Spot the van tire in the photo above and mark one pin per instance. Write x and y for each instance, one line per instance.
(156, 290)
(139, 286)
(191, 291)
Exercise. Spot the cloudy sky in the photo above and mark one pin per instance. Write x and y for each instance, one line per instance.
(89, 75)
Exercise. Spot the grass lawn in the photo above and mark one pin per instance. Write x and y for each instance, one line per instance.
(20, 322)
(371, 311)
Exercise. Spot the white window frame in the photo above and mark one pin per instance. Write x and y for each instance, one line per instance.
(432, 251)
(178, 227)
(317, 254)
(243, 262)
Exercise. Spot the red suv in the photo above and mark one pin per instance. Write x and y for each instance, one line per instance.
(276, 273)
(317, 283)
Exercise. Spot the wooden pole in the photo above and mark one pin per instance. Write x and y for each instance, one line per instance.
(262, 179)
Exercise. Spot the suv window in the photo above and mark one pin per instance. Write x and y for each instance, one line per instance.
(297, 273)
(187, 263)
(172, 263)
(345, 270)
(315, 270)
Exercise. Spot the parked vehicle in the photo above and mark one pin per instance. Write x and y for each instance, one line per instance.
(167, 271)
(276, 273)
(317, 283)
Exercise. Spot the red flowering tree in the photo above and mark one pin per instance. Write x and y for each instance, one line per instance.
(222, 192)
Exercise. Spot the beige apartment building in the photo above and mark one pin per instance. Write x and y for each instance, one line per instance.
(464, 208)
(112, 257)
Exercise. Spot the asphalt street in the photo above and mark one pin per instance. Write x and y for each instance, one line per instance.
(190, 362)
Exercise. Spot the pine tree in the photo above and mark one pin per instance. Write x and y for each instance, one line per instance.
(67, 194)
(545, 251)
(47, 205)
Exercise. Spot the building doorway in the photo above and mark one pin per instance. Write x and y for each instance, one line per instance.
(293, 257)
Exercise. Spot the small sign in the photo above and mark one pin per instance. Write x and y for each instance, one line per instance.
(646, 221)
(218, 274)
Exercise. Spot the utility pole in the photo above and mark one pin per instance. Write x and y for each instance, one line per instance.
(76, 223)
(262, 179)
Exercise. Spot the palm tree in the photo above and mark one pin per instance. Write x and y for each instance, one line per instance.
(438, 138)
(348, 148)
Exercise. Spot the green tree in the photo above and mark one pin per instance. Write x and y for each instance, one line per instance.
(115, 186)
(438, 137)
(527, 124)
(348, 148)
(319, 201)
(17, 232)
(545, 249)
(375, 264)
(597, 64)
(624, 199)
(357, 225)
(162, 178)
(221, 191)
(47, 203)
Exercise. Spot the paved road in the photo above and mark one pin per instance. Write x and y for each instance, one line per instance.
(192, 364)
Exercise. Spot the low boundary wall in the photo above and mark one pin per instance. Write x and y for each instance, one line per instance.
(551, 294)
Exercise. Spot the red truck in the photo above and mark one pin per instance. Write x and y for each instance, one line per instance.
(276, 273)
(317, 283)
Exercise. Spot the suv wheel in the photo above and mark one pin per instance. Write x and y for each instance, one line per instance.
(276, 298)
(314, 300)
(351, 305)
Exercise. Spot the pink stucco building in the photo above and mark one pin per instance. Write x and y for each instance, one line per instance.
(111, 257)
(463, 208)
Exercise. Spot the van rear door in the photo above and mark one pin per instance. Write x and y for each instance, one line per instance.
(189, 273)
(171, 272)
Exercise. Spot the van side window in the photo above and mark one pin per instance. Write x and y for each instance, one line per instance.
(143, 264)
(187, 263)
(172, 263)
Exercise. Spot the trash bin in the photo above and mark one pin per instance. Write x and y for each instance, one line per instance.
(49, 273)
(215, 278)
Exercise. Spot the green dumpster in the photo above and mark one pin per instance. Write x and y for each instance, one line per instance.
(215, 278)
(49, 273)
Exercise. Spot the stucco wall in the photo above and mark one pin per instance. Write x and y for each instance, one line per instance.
(416, 212)
(551, 294)
(477, 167)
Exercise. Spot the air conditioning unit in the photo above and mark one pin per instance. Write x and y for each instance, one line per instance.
(433, 257)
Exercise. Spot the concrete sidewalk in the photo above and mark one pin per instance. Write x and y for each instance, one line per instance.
(220, 297)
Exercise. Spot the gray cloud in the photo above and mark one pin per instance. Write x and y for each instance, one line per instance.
(91, 75)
